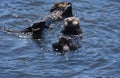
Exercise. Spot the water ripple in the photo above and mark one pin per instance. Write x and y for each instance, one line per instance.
(98, 56)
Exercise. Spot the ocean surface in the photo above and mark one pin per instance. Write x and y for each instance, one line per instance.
(23, 57)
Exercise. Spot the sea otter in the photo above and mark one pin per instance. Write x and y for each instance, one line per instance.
(64, 44)
(71, 26)
(65, 7)
(58, 11)
(72, 35)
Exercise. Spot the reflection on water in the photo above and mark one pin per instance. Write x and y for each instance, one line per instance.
(99, 55)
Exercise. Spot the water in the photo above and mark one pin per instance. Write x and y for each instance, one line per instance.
(99, 55)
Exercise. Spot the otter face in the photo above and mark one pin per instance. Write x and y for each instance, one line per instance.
(71, 26)
(71, 22)
(65, 7)
(64, 44)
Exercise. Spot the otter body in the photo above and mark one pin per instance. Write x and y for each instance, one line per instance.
(71, 30)
(58, 11)
(64, 44)
(72, 35)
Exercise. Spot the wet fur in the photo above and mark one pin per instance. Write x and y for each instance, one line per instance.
(59, 11)
(71, 26)
(64, 41)
(71, 31)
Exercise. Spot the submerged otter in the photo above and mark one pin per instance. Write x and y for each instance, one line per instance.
(71, 26)
(64, 44)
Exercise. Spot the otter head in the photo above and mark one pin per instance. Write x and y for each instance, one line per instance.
(65, 7)
(72, 22)
(71, 26)
(64, 44)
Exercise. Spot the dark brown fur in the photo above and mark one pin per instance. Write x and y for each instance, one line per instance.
(64, 44)
(71, 26)
(72, 35)
(58, 11)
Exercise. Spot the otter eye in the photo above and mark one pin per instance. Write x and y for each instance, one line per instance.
(67, 20)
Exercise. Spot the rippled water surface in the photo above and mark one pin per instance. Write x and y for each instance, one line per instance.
(99, 55)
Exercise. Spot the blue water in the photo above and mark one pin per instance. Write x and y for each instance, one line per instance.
(99, 55)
